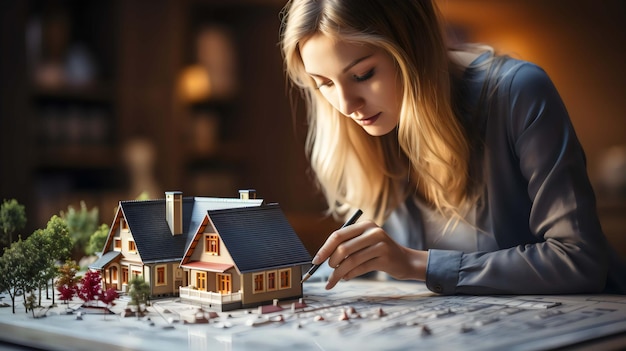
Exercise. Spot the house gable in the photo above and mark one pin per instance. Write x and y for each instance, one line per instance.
(210, 247)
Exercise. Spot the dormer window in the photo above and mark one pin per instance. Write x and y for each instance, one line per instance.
(123, 224)
(212, 244)
(131, 246)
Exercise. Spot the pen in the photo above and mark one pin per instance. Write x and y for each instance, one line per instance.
(314, 267)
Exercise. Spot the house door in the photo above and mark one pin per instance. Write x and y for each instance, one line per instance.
(201, 281)
(223, 283)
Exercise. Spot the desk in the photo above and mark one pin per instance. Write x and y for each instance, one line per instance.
(366, 315)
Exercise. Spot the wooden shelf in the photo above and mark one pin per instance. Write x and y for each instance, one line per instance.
(77, 157)
(92, 93)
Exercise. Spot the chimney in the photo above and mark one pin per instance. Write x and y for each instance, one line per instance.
(174, 211)
(247, 194)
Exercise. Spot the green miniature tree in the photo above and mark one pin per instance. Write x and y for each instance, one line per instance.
(98, 240)
(82, 224)
(14, 270)
(35, 247)
(12, 219)
(48, 247)
(57, 248)
(139, 293)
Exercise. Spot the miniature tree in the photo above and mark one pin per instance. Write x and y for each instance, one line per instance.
(48, 247)
(107, 298)
(58, 247)
(82, 224)
(139, 293)
(98, 240)
(12, 219)
(14, 272)
(37, 265)
(30, 302)
(89, 287)
(66, 293)
(67, 282)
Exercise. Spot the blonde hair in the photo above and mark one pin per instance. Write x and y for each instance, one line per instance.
(427, 154)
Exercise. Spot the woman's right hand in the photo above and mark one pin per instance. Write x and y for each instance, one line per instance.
(365, 247)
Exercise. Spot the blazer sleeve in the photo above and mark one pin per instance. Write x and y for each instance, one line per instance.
(561, 248)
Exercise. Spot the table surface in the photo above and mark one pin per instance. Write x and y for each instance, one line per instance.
(356, 314)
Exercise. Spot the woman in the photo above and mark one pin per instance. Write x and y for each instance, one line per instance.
(466, 162)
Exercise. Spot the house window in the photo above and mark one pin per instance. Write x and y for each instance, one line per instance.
(131, 246)
(223, 283)
(124, 275)
(285, 278)
(136, 273)
(212, 245)
(271, 280)
(201, 281)
(124, 224)
(117, 245)
(113, 274)
(258, 281)
(160, 275)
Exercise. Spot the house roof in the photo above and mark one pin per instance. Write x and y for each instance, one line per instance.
(153, 238)
(259, 238)
(105, 259)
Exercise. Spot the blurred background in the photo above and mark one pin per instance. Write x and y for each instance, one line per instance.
(102, 101)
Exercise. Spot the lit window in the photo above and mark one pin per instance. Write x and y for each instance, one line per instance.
(285, 279)
(258, 280)
(131, 246)
(123, 224)
(271, 280)
(114, 274)
(223, 283)
(160, 275)
(201, 281)
(212, 244)
(117, 245)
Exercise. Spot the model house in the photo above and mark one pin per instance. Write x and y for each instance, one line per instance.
(149, 238)
(243, 257)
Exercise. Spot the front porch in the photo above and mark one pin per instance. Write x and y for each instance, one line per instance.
(222, 302)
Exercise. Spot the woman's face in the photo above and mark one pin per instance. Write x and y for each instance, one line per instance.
(359, 81)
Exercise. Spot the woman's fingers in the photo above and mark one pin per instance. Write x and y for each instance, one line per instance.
(374, 250)
(338, 237)
(359, 255)
(359, 263)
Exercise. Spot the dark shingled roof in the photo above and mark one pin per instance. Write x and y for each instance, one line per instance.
(153, 238)
(259, 238)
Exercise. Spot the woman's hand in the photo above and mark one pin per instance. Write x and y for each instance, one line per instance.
(364, 247)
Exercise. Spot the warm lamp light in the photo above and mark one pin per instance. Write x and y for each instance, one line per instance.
(194, 83)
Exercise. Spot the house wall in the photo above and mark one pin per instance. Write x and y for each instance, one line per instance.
(130, 259)
(200, 254)
(173, 279)
(125, 236)
(249, 298)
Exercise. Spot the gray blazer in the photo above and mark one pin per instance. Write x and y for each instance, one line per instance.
(536, 196)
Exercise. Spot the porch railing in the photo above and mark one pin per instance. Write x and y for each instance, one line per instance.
(207, 296)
